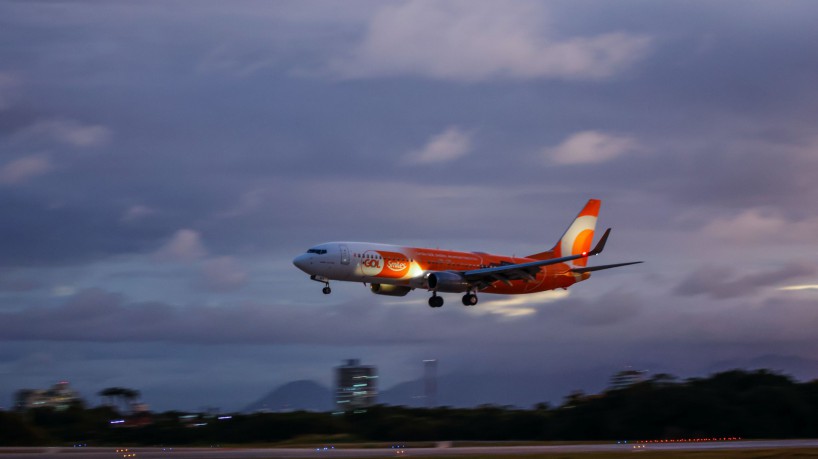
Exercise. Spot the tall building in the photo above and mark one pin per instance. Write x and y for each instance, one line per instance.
(356, 386)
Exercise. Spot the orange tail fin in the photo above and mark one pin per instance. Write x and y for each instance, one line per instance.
(577, 238)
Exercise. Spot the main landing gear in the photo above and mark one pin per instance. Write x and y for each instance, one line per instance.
(435, 301)
(469, 299)
(326, 289)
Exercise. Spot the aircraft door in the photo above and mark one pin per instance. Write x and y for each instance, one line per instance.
(344, 254)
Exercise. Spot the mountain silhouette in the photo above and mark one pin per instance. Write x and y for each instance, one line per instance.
(294, 396)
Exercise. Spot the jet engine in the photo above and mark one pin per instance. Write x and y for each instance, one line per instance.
(389, 290)
(446, 281)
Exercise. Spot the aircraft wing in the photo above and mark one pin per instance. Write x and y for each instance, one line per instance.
(524, 271)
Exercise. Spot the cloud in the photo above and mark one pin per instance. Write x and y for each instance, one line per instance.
(249, 202)
(479, 40)
(447, 146)
(241, 60)
(185, 245)
(769, 177)
(758, 225)
(24, 169)
(63, 291)
(96, 315)
(610, 309)
(18, 285)
(137, 212)
(216, 274)
(799, 287)
(517, 306)
(590, 147)
(722, 283)
(71, 132)
(223, 274)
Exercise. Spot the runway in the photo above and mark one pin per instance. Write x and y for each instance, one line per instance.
(328, 452)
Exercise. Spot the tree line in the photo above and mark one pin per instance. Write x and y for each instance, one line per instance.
(737, 403)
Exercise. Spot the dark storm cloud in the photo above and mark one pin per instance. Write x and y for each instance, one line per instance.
(277, 129)
(612, 308)
(747, 174)
(97, 315)
(18, 284)
(37, 232)
(722, 282)
(100, 316)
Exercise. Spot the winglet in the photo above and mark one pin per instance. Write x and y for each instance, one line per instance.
(601, 244)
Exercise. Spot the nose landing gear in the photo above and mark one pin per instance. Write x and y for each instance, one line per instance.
(324, 281)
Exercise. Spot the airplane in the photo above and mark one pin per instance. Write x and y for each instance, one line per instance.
(396, 270)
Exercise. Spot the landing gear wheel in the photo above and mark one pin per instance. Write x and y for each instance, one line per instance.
(469, 299)
(435, 301)
(326, 290)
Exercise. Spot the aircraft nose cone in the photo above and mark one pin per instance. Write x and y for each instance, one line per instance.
(301, 262)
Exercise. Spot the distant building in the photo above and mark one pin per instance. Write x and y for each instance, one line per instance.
(626, 378)
(60, 396)
(356, 386)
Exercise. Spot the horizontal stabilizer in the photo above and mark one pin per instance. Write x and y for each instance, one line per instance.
(600, 268)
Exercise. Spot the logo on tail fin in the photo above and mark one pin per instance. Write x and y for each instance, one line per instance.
(579, 236)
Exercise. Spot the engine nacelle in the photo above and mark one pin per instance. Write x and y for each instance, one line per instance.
(449, 282)
(389, 290)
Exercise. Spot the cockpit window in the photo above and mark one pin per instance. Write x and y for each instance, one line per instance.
(317, 251)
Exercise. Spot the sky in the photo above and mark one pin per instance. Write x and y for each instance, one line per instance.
(161, 164)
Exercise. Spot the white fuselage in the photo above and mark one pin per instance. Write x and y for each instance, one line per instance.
(367, 262)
